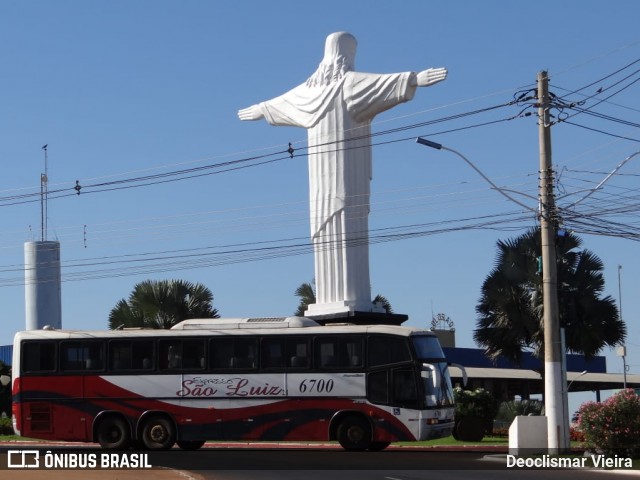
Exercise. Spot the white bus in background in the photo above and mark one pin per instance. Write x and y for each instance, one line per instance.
(276, 379)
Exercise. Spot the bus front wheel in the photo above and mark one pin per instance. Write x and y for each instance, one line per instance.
(354, 433)
(113, 433)
(158, 433)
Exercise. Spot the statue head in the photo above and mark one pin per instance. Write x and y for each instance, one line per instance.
(339, 58)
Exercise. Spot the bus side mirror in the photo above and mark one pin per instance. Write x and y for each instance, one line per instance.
(465, 378)
(5, 380)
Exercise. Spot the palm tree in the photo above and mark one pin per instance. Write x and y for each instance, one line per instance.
(510, 306)
(385, 303)
(162, 304)
(307, 296)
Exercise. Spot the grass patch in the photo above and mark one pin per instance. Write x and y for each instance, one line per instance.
(16, 438)
(450, 441)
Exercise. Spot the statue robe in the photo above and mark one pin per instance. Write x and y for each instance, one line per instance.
(338, 117)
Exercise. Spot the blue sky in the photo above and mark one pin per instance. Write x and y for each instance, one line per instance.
(122, 89)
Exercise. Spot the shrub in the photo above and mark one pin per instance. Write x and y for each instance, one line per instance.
(475, 410)
(576, 435)
(5, 426)
(474, 403)
(500, 432)
(613, 426)
(508, 411)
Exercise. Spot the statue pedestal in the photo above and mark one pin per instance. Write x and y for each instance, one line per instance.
(359, 318)
(342, 308)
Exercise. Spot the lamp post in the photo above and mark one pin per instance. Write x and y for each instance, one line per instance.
(555, 393)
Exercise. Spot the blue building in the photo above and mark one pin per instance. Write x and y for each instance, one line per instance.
(6, 352)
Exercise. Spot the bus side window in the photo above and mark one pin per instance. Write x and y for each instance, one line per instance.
(126, 355)
(386, 350)
(345, 353)
(351, 352)
(273, 353)
(235, 353)
(405, 392)
(170, 354)
(193, 357)
(120, 355)
(378, 387)
(143, 354)
(326, 352)
(298, 353)
(77, 356)
(220, 353)
(39, 357)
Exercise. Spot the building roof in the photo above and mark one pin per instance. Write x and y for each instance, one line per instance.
(475, 357)
(578, 381)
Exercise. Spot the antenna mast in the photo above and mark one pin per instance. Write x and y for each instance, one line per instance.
(44, 195)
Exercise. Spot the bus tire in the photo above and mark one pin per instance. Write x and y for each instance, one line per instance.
(190, 444)
(354, 433)
(113, 433)
(158, 433)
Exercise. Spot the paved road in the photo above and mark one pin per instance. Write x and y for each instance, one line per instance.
(393, 464)
(229, 462)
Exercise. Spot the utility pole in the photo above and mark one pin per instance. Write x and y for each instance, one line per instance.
(622, 350)
(554, 391)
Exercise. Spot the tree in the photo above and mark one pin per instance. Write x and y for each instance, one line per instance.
(5, 391)
(384, 302)
(307, 296)
(162, 304)
(510, 308)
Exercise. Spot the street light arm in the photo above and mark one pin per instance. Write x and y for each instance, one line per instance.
(599, 186)
(584, 372)
(439, 146)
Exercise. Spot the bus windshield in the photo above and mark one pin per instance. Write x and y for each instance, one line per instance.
(427, 348)
(435, 373)
(437, 384)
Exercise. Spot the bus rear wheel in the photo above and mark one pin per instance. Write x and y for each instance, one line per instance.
(158, 433)
(354, 434)
(113, 433)
(190, 444)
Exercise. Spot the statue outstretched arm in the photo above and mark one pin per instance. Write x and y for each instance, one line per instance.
(430, 77)
(254, 112)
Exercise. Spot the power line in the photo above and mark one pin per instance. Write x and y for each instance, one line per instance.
(194, 258)
(238, 164)
(597, 130)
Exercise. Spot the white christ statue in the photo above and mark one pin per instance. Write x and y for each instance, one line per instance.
(336, 105)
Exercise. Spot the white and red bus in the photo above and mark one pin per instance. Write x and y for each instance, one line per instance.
(256, 379)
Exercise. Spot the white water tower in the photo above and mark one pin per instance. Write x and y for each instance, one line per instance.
(42, 278)
(43, 288)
